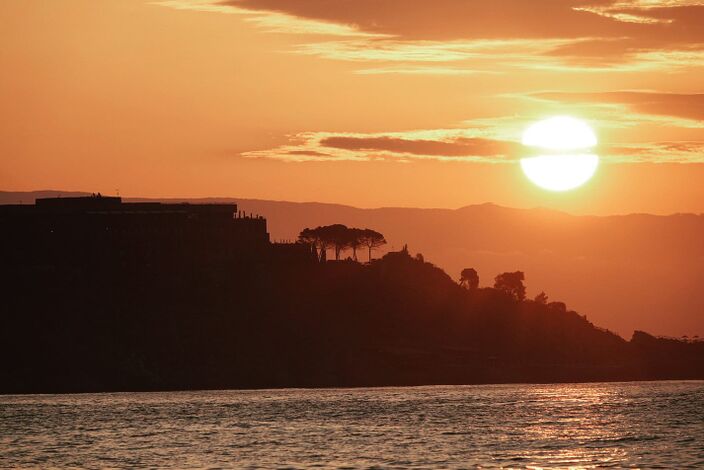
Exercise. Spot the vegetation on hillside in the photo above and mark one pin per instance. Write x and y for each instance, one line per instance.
(398, 320)
(339, 237)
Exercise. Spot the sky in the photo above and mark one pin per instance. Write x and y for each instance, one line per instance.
(363, 102)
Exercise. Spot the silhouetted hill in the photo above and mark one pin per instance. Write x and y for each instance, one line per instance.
(188, 323)
(625, 272)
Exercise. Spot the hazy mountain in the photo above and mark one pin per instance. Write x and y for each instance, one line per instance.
(623, 272)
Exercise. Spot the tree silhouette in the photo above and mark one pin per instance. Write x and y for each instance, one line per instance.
(355, 240)
(310, 237)
(337, 236)
(512, 284)
(541, 298)
(318, 238)
(372, 239)
(469, 279)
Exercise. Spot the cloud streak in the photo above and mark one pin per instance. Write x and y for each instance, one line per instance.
(437, 144)
(658, 152)
(497, 37)
(454, 145)
(487, 36)
(689, 106)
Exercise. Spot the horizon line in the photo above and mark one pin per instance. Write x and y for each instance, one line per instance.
(370, 208)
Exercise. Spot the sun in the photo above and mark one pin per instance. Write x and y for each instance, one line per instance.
(562, 147)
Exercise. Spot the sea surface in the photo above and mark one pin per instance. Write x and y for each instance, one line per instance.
(640, 424)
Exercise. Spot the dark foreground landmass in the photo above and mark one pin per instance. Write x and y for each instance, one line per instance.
(84, 313)
(625, 272)
(398, 321)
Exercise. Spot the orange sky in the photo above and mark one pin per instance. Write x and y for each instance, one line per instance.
(364, 102)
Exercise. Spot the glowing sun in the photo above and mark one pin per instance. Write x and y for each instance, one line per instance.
(564, 160)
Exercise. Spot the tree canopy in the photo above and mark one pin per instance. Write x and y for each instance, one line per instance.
(469, 278)
(512, 284)
(340, 237)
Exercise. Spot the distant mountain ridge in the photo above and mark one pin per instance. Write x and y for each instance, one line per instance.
(623, 271)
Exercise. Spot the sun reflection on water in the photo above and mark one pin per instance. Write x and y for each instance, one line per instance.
(507, 426)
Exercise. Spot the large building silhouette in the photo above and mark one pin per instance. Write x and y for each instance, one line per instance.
(100, 230)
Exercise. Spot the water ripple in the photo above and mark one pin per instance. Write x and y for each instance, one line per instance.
(527, 426)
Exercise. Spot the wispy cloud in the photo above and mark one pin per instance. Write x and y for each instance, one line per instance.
(497, 140)
(472, 37)
(394, 50)
(658, 152)
(269, 21)
(685, 110)
(454, 145)
(570, 35)
(437, 144)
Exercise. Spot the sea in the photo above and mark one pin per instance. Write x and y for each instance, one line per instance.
(633, 425)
